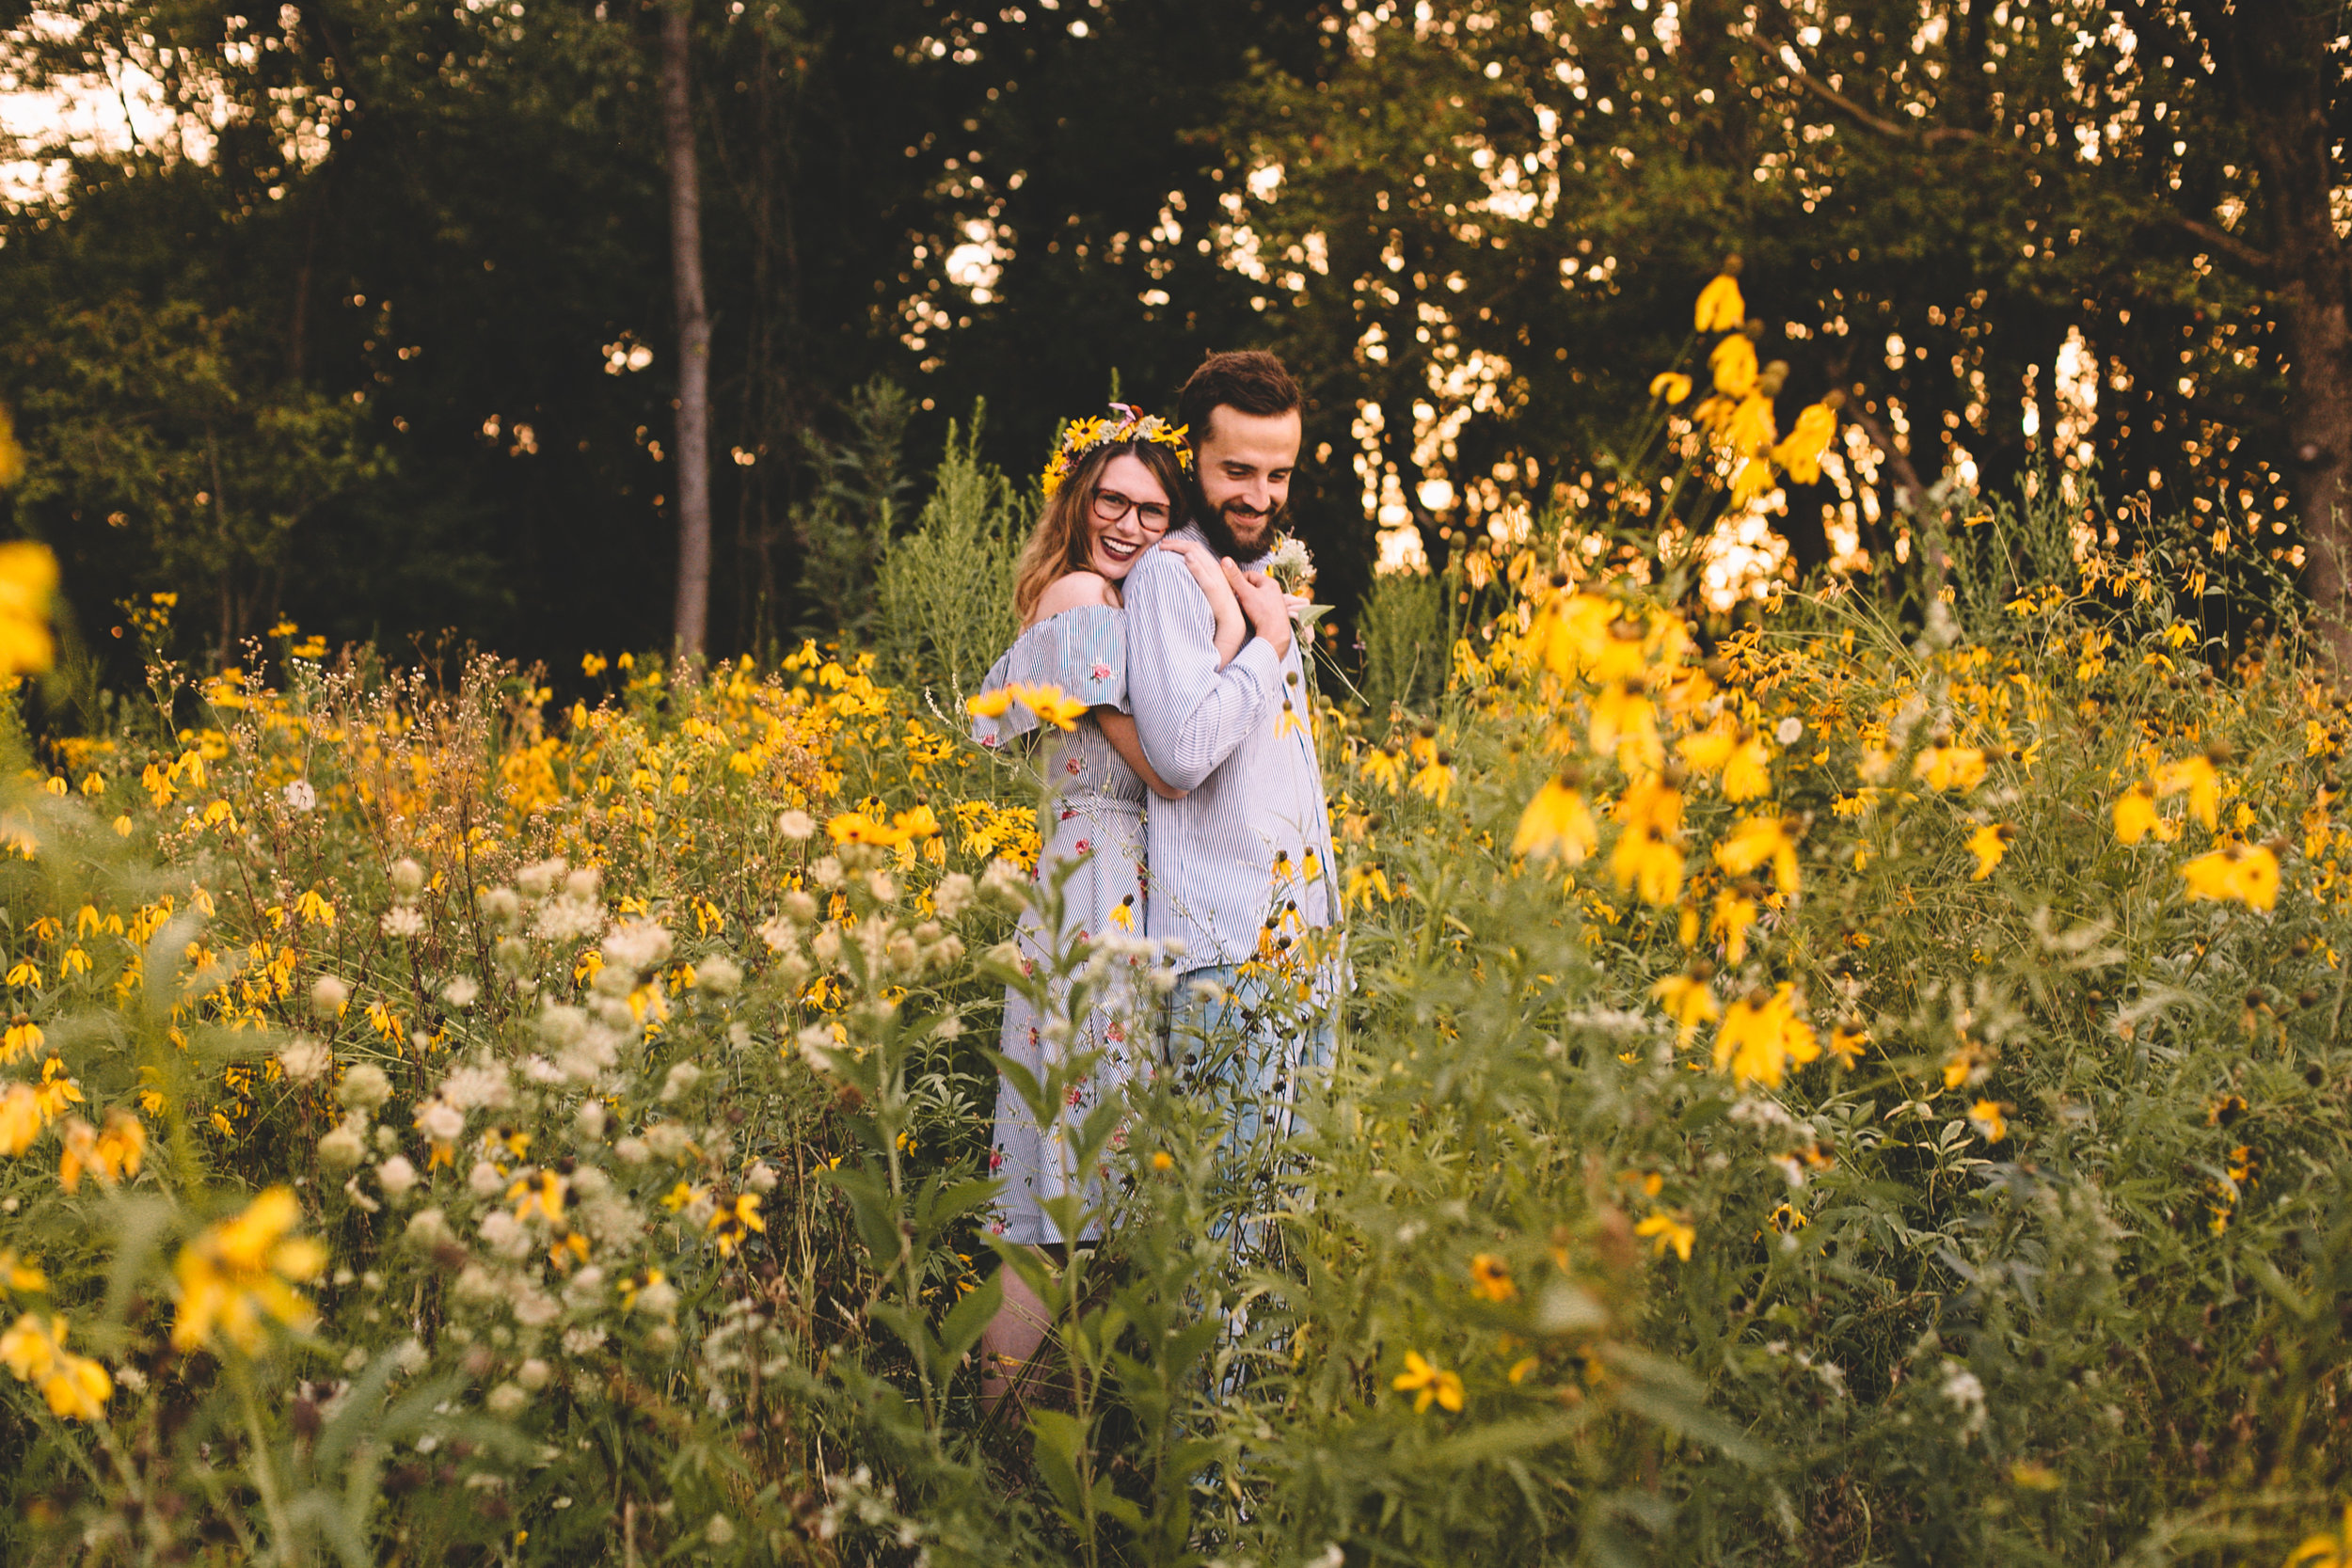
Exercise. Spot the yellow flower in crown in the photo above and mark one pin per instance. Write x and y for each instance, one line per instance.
(1126, 423)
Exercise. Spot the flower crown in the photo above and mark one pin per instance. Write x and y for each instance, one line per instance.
(1126, 423)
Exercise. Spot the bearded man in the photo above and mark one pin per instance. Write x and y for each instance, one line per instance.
(1241, 867)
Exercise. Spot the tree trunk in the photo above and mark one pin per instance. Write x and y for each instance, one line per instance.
(2274, 59)
(693, 333)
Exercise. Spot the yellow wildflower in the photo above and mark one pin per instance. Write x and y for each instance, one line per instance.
(1985, 1117)
(1760, 1035)
(1750, 430)
(21, 1120)
(990, 704)
(733, 1223)
(1624, 721)
(2196, 775)
(1730, 925)
(1846, 1042)
(1758, 839)
(1671, 383)
(1556, 822)
(1420, 1374)
(1957, 768)
(1665, 1231)
(75, 1386)
(855, 826)
(1801, 453)
(1733, 363)
(1989, 843)
(1490, 1279)
(239, 1273)
(28, 577)
(2134, 815)
(1051, 705)
(2328, 1549)
(1688, 1001)
(1720, 307)
(2249, 876)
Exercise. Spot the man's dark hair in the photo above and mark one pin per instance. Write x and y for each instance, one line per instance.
(1250, 380)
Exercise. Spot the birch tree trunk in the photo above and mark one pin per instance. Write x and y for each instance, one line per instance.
(693, 333)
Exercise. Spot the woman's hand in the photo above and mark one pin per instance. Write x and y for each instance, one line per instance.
(1233, 626)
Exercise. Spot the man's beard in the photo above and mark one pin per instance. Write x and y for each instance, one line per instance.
(1225, 541)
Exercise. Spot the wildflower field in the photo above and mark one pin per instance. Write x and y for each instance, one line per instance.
(1855, 1081)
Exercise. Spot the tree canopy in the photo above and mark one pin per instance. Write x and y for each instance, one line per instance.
(377, 334)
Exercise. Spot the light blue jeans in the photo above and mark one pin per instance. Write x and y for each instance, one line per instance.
(1247, 1045)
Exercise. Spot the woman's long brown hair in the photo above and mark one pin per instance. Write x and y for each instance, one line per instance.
(1058, 546)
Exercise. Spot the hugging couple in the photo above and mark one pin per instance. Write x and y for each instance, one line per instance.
(1188, 796)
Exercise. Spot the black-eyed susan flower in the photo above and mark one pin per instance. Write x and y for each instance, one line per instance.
(1428, 1383)
(1490, 1279)
(1987, 1116)
(1671, 385)
(2136, 814)
(732, 1223)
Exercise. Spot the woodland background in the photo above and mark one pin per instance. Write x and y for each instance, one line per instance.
(370, 324)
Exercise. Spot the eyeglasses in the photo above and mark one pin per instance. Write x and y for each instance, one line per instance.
(1112, 507)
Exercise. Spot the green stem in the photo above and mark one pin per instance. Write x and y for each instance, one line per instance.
(264, 1474)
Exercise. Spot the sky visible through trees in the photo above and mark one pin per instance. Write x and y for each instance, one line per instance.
(364, 314)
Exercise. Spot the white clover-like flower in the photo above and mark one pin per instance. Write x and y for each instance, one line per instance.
(341, 1148)
(505, 1400)
(477, 1086)
(683, 1077)
(407, 878)
(1789, 731)
(396, 1176)
(719, 975)
(637, 945)
(502, 906)
(440, 1121)
(503, 1233)
(462, 992)
(538, 880)
(299, 795)
(327, 996)
(364, 1087)
(403, 920)
(953, 896)
(305, 1060)
(485, 1180)
(796, 825)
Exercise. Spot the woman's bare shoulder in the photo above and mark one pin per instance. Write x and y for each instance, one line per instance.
(1075, 591)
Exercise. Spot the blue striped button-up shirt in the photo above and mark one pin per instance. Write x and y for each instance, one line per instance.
(1252, 842)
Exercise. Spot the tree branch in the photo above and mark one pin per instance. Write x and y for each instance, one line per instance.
(1896, 129)
(2223, 241)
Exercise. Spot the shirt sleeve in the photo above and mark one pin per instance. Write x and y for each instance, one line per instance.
(1189, 714)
